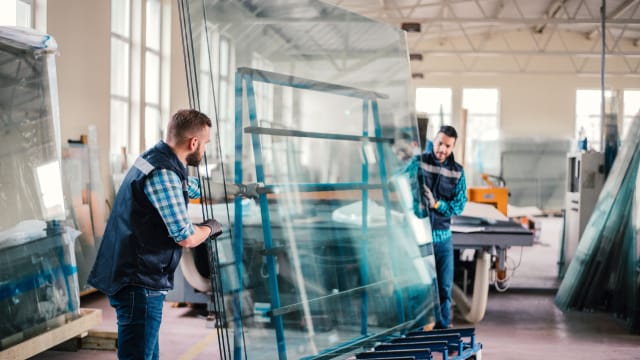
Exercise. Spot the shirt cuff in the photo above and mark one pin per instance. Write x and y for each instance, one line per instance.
(185, 233)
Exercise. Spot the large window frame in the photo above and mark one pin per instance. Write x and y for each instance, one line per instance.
(483, 116)
(25, 13)
(120, 89)
(218, 105)
(436, 103)
(630, 108)
(140, 44)
(588, 120)
(17, 12)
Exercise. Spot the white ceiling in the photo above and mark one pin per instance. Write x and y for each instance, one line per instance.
(514, 36)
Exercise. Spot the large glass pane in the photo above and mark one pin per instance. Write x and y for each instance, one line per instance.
(603, 274)
(329, 254)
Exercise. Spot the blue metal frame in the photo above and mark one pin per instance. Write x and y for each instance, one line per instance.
(446, 342)
(237, 230)
(244, 79)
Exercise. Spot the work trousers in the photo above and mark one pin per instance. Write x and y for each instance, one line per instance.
(139, 313)
(443, 251)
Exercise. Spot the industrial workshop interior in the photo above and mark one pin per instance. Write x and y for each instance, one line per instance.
(375, 167)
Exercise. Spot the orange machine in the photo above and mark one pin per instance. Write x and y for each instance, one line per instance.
(497, 196)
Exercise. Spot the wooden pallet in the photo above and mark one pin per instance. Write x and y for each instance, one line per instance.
(88, 319)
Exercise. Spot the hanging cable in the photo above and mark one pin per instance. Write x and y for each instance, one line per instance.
(603, 16)
(207, 211)
(215, 276)
(225, 339)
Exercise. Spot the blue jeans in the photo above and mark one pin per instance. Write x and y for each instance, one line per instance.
(139, 313)
(443, 251)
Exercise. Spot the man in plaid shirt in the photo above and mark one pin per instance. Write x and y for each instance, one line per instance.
(146, 231)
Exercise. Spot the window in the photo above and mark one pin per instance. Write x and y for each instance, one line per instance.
(24, 9)
(588, 116)
(153, 130)
(120, 79)
(139, 80)
(221, 95)
(436, 103)
(16, 13)
(264, 94)
(264, 91)
(482, 117)
(631, 107)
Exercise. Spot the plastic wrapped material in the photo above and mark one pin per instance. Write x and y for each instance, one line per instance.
(604, 273)
(86, 199)
(309, 99)
(38, 282)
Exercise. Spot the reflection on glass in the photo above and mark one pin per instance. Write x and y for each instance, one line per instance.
(329, 258)
(50, 183)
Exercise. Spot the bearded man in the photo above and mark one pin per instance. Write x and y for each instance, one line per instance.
(146, 231)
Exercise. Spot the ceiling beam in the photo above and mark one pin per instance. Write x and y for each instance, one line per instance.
(494, 53)
(613, 15)
(552, 12)
(459, 72)
(442, 20)
(511, 20)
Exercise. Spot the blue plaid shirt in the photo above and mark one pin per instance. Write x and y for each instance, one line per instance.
(446, 208)
(164, 190)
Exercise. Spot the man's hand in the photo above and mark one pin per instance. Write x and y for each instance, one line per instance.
(429, 196)
(214, 226)
(249, 190)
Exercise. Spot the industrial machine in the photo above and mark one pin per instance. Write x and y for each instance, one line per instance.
(493, 194)
(490, 236)
(584, 182)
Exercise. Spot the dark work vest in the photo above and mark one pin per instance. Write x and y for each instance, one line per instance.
(442, 179)
(136, 248)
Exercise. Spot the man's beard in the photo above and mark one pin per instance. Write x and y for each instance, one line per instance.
(194, 158)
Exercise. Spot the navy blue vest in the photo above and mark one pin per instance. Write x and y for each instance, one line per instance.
(442, 179)
(136, 248)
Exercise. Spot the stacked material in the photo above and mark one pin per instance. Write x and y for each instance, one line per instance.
(38, 283)
(604, 274)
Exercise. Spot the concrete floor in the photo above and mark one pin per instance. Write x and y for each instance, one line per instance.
(522, 323)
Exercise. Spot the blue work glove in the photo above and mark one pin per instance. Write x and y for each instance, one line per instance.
(214, 226)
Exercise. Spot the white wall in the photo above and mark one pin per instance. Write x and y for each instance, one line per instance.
(179, 95)
(530, 105)
(82, 31)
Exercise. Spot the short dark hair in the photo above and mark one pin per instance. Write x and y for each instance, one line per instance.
(450, 131)
(185, 123)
